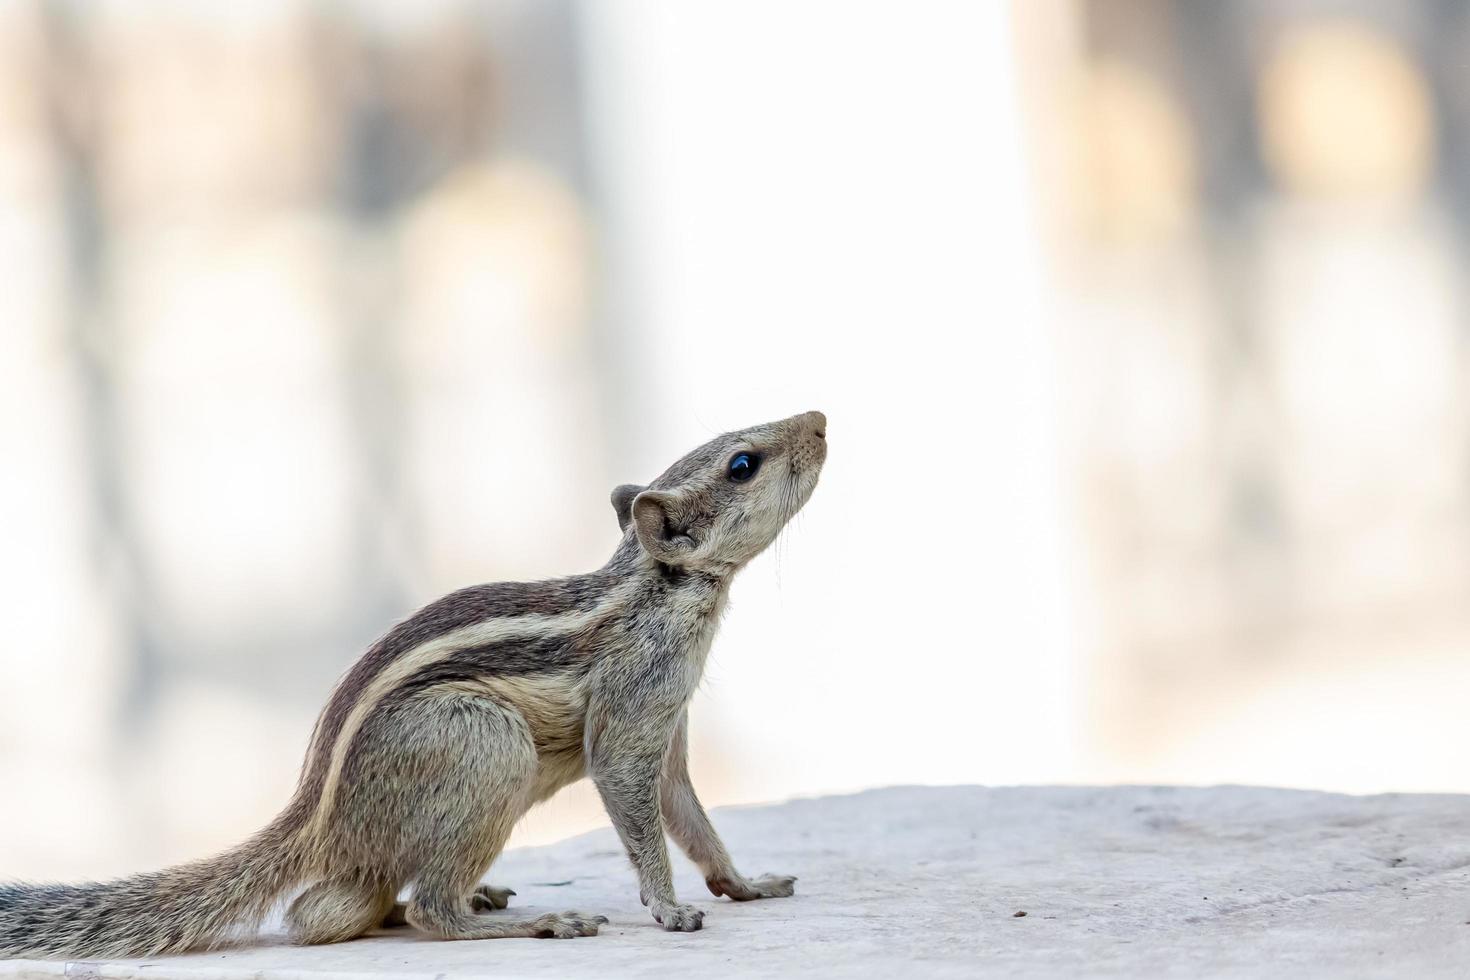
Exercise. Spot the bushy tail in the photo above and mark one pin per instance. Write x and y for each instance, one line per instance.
(191, 906)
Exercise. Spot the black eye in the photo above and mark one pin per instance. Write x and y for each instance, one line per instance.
(743, 467)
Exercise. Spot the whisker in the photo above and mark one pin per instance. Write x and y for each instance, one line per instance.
(699, 419)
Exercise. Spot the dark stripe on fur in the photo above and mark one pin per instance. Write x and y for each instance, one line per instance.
(506, 658)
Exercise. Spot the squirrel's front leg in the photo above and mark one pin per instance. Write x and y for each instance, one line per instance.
(690, 827)
(625, 763)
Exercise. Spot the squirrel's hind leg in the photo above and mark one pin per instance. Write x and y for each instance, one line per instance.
(463, 770)
(337, 910)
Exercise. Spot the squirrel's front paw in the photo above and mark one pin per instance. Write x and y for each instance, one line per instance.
(678, 918)
(488, 898)
(743, 889)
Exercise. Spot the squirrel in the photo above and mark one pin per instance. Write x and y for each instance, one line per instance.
(462, 717)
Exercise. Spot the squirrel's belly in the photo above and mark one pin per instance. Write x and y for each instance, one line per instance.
(555, 770)
(553, 705)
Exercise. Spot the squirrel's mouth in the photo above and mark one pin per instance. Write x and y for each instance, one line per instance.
(806, 467)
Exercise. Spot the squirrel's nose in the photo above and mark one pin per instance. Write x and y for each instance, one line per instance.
(816, 423)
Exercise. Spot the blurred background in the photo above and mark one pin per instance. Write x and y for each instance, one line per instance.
(1140, 326)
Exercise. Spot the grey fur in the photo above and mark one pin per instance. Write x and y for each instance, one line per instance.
(460, 719)
(622, 501)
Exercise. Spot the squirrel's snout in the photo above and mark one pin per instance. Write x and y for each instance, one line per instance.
(809, 441)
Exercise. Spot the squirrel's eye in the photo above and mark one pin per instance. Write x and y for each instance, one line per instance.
(743, 467)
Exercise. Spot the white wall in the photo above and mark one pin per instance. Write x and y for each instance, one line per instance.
(823, 205)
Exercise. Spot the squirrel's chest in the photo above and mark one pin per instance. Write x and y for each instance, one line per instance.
(677, 641)
(702, 629)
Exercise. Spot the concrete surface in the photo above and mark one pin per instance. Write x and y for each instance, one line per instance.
(1115, 882)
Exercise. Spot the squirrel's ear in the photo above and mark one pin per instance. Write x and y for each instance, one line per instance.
(655, 518)
(622, 501)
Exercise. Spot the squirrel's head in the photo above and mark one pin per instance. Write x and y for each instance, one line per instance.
(721, 505)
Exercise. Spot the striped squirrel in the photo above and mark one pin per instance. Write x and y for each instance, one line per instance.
(482, 704)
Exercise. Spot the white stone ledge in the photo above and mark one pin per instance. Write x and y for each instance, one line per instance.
(1115, 882)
